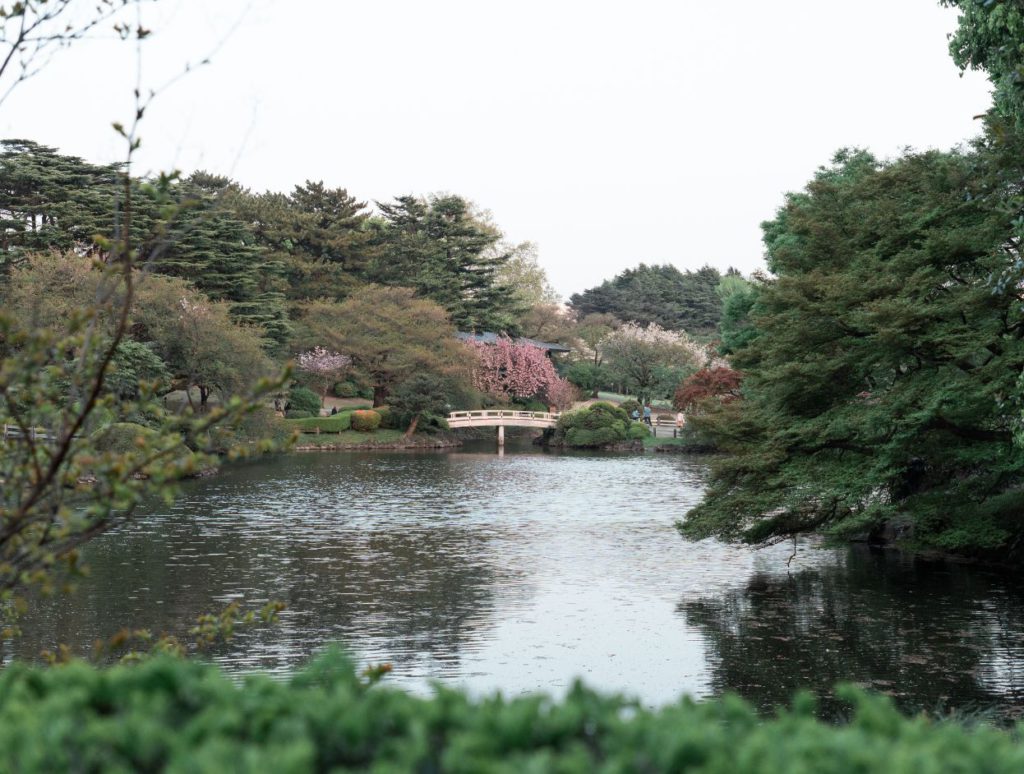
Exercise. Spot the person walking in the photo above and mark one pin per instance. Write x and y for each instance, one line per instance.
(647, 413)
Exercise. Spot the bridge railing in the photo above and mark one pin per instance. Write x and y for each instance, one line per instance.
(544, 416)
(13, 432)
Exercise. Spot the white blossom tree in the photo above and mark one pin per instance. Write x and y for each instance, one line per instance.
(324, 368)
(650, 360)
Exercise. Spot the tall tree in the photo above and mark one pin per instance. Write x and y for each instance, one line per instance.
(49, 201)
(738, 298)
(876, 387)
(209, 245)
(990, 37)
(390, 334)
(440, 248)
(657, 294)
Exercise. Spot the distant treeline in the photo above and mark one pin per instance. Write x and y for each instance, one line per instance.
(261, 252)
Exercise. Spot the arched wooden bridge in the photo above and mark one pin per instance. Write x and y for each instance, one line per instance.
(501, 418)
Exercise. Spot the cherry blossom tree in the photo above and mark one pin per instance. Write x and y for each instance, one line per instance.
(649, 359)
(507, 369)
(561, 393)
(324, 368)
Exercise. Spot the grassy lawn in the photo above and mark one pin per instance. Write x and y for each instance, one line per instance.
(614, 397)
(335, 424)
(351, 438)
(650, 441)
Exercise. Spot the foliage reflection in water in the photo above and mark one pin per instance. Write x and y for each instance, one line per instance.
(522, 571)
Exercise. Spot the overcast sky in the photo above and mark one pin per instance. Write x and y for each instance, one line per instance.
(607, 133)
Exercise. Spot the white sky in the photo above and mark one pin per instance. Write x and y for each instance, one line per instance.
(608, 133)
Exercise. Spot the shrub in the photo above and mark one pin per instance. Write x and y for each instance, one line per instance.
(390, 420)
(365, 421)
(535, 405)
(292, 414)
(599, 424)
(251, 429)
(638, 431)
(630, 405)
(301, 399)
(345, 390)
(120, 437)
(178, 715)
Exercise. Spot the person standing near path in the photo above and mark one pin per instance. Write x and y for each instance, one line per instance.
(635, 416)
(680, 421)
(647, 413)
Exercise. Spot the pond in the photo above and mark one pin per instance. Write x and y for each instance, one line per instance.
(522, 571)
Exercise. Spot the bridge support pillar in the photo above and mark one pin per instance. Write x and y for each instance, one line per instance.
(501, 435)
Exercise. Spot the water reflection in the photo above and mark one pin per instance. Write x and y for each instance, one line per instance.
(933, 635)
(521, 571)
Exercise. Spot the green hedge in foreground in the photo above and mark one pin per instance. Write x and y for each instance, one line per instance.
(187, 716)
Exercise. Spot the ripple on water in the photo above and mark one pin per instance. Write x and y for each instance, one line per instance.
(519, 572)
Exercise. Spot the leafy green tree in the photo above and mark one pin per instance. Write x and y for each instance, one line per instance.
(439, 247)
(49, 201)
(875, 389)
(199, 340)
(319, 236)
(657, 294)
(588, 377)
(592, 330)
(422, 396)
(738, 299)
(219, 253)
(541, 314)
(133, 365)
(390, 334)
(990, 37)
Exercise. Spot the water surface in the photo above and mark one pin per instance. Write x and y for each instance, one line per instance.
(523, 571)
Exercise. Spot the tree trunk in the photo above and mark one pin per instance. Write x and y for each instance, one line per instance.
(380, 394)
(412, 425)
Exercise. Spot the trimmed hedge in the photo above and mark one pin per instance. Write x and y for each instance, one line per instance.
(334, 424)
(365, 421)
(180, 715)
(302, 399)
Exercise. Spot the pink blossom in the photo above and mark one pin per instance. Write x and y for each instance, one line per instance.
(507, 369)
(561, 393)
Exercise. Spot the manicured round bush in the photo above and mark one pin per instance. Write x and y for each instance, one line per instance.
(638, 431)
(600, 424)
(630, 405)
(292, 414)
(365, 421)
(345, 390)
(302, 399)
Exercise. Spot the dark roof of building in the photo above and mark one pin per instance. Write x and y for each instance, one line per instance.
(492, 338)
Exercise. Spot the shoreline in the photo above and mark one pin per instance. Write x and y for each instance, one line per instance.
(369, 445)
